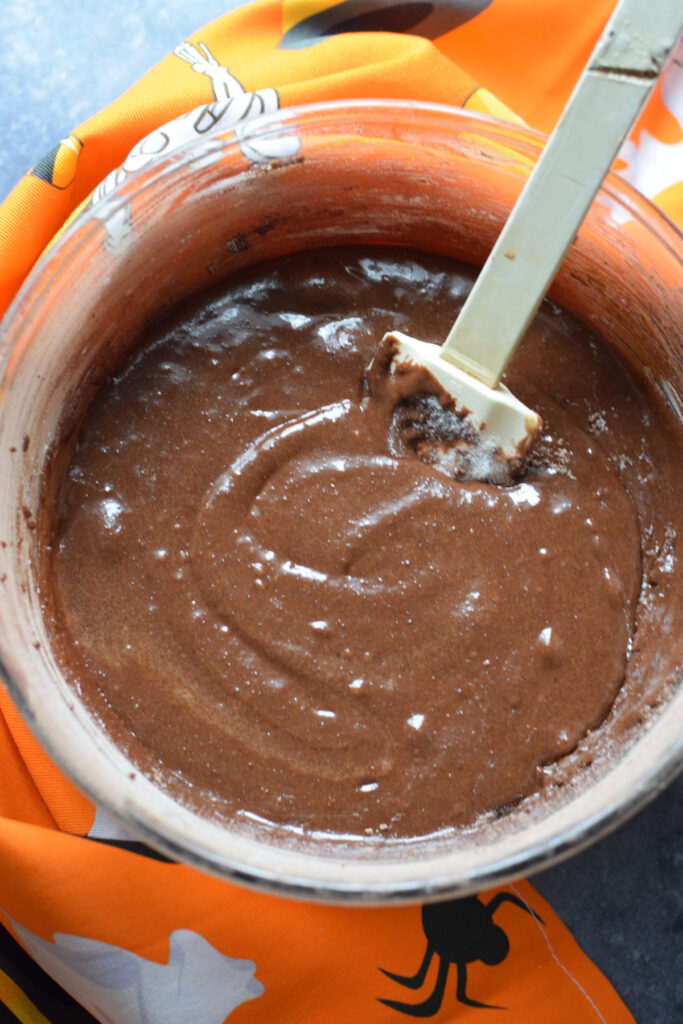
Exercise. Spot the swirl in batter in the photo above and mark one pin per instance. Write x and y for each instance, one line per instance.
(264, 595)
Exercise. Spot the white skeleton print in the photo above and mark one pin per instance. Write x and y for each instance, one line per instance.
(224, 85)
(233, 107)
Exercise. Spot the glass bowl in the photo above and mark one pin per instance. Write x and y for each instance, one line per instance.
(179, 219)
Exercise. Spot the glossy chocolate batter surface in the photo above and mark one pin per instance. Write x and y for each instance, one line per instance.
(273, 604)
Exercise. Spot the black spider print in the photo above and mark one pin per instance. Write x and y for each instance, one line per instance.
(458, 932)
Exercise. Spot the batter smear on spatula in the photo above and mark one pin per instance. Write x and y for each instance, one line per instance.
(428, 422)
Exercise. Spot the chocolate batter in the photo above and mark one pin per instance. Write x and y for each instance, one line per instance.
(275, 606)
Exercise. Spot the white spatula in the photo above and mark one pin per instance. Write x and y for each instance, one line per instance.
(611, 91)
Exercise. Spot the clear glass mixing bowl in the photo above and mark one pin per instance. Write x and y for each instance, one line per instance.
(431, 177)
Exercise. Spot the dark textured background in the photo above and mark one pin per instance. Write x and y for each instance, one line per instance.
(61, 61)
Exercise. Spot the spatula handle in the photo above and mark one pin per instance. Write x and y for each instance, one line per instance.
(606, 101)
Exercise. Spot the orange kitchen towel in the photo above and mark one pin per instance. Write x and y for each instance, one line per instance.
(125, 935)
(136, 939)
